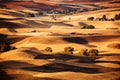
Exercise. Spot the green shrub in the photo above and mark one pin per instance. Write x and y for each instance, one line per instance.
(48, 49)
(88, 27)
(68, 50)
(93, 52)
(83, 52)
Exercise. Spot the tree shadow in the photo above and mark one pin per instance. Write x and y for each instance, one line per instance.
(7, 24)
(78, 40)
(11, 40)
(109, 54)
(82, 24)
(11, 64)
(65, 57)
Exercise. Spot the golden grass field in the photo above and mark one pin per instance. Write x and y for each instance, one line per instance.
(30, 62)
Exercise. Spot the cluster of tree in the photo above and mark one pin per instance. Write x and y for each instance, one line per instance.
(86, 52)
(82, 52)
(99, 8)
(30, 15)
(70, 11)
(40, 13)
(5, 47)
(104, 18)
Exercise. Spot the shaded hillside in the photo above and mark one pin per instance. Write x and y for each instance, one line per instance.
(41, 5)
(59, 0)
(88, 0)
(30, 5)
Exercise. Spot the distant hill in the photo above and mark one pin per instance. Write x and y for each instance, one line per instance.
(87, 0)
(42, 4)
(60, 0)
(13, 0)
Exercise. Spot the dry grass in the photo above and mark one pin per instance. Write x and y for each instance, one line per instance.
(30, 62)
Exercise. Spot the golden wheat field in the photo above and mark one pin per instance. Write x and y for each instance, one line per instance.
(59, 40)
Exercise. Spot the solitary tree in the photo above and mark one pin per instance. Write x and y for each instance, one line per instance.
(117, 17)
(93, 52)
(104, 17)
(68, 50)
(48, 49)
(83, 52)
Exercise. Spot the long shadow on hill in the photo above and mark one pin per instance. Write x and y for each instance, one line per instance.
(4, 39)
(11, 40)
(114, 2)
(15, 14)
(110, 54)
(92, 61)
(11, 19)
(29, 77)
(116, 62)
(3, 35)
(78, 40)
(57, 23)
(82, 24)
(40, 6)
(65, 57)
(4, 75)
(101, 38)
(27, 23)
(12, 64)
(6, 24)
(60, 67)
(32, 23)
